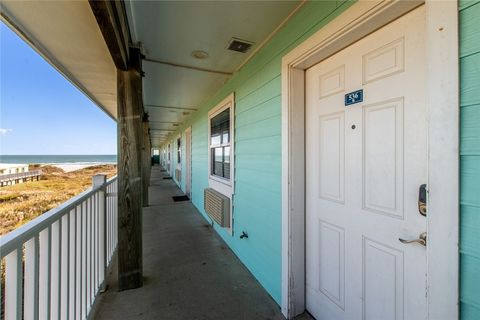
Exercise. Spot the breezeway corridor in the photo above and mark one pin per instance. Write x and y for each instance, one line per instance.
(189, 272)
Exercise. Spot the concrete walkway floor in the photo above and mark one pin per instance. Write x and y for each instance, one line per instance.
(189, 272)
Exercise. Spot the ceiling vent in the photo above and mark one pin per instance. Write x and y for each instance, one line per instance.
(239, 45)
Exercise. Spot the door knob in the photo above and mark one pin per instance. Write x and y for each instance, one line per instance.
(422, 239)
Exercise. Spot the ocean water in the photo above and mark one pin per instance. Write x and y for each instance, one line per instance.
(62, 158)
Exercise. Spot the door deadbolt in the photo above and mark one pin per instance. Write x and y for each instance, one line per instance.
(422, 200)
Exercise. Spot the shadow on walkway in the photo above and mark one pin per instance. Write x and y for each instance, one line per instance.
(189, 272)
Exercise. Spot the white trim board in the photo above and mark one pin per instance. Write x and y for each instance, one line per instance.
(361, 19)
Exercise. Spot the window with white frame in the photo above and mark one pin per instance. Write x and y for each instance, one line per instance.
(179, 150)
(220, 142)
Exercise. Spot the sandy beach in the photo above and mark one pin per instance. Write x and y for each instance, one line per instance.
(70, 167)
(23, 202)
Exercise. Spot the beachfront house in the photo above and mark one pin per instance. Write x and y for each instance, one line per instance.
(11, 174)
(334, 146)
(9, 168)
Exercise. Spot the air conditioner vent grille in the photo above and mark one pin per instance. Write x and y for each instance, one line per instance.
(178, 175)
(239, 45)
(217, 206)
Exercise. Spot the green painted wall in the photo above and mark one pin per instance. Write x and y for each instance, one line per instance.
(257, 204)
(470, 159)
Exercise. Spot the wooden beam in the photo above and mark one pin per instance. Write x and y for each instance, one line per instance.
(130, 188)
(167, 122)
(176, 65)
(172, 108)
(112, 20)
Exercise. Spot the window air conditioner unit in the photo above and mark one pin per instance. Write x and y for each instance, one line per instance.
(217, 206)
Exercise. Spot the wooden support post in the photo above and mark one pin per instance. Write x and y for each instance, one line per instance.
(130, 141)
(146, 160)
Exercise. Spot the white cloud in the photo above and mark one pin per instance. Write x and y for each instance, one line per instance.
(5, 131)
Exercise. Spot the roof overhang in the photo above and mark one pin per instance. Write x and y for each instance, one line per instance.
(67, 35)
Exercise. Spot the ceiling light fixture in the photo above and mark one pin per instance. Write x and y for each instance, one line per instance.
(199, 54)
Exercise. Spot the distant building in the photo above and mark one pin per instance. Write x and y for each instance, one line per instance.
(16, 173)
(7, 168)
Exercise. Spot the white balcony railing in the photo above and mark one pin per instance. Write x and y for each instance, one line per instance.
(55, 265)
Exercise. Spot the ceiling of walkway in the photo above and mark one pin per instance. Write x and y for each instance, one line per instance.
(176, 83)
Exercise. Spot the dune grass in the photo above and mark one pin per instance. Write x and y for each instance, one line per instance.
(23, 202)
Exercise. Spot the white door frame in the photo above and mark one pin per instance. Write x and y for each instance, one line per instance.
(442, 96)
(188, 161)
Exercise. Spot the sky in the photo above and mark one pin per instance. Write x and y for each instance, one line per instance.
(41, 112)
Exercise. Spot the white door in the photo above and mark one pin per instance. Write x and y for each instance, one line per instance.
(364, 165)
(188, 161)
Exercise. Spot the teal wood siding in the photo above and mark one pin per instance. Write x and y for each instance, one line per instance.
(470, 159)
(257, 200)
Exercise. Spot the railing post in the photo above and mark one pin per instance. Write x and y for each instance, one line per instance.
(101, 180)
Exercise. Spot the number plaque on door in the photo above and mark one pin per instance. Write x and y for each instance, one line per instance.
(354, 97)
